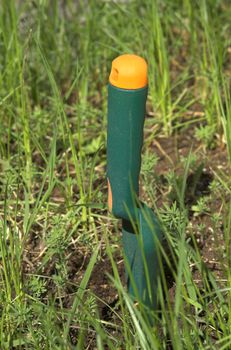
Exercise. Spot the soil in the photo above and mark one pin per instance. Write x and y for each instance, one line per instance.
(214, 164)
(169, 152)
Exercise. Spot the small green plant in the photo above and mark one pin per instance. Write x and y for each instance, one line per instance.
(172, 218)
(201, 207)
(205, 134)
(149, 161)
(37, 286)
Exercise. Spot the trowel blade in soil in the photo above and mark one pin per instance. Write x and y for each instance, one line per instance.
(141, 257)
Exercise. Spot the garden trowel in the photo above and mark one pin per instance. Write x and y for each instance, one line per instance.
(141, 233)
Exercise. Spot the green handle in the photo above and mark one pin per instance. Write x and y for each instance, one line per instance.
(141, 231)
(126, 111)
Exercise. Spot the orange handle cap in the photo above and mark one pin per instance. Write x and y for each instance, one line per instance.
(129, 72)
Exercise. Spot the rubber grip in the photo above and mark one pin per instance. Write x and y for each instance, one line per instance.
(126, 112)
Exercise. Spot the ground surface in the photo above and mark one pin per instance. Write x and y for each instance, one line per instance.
(208, 165)
(61, 267)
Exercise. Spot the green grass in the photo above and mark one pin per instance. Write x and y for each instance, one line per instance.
(54, 67)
